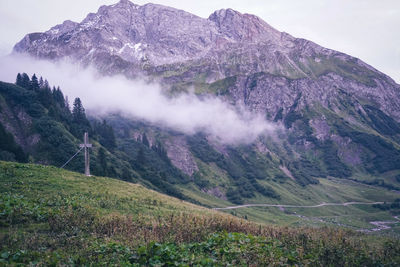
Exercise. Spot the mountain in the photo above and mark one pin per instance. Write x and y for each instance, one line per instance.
(341, 116)
(51, 216)
(179, 47)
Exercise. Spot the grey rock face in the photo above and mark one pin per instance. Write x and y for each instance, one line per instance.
(237, 27)
(137, 34)
(216, 192)
(348, 152)
(180, 155)
(153, 35)
(321, 129)
(269, 93)
(18, 123)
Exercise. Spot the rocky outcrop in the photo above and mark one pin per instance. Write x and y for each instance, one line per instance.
(321, 128)
(18, 123)
(215, 192)
(180, 155)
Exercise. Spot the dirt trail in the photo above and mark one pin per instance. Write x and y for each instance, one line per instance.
(297, 206)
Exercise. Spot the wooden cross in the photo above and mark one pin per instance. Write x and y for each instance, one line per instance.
(86, 145)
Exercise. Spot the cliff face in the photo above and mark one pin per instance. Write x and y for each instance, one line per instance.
(331, 103)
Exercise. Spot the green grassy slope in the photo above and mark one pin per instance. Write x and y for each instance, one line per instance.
(50, 216)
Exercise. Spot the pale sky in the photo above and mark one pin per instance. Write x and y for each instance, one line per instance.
(367, 29)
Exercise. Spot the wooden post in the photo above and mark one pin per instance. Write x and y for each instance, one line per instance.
(86, 146)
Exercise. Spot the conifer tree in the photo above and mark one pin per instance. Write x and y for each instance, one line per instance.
(45, 97)
(58, 97)
(34, 83)
(41, 83)
(25, 82)
(66, 101)
(80, 123)
(46, 84)
(19, 79)
(78, 111)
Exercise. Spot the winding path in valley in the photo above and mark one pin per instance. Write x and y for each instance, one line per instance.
(297, 206)
(378, 225)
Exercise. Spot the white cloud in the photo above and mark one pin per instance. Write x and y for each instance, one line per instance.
(186, 113)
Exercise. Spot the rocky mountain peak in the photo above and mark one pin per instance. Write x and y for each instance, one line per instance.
(180, 47)
(222, 14)
(150, 33)
(242, 27)
(124, 2)
(120, 4)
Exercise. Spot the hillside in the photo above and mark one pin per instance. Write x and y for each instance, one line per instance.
(50, 216)
(37, 127)
(340, 116)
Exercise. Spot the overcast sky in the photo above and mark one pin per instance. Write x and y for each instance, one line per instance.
(367, 29)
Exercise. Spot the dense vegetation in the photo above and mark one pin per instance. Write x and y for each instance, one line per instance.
(377, 147)
(50, 216)
(389, 206)
(243, 165)
(9, 150)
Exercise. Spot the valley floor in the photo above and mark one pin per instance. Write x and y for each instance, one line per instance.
(333, 202)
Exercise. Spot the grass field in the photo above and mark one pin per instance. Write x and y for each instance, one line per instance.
(50, 216)
(333, 190)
